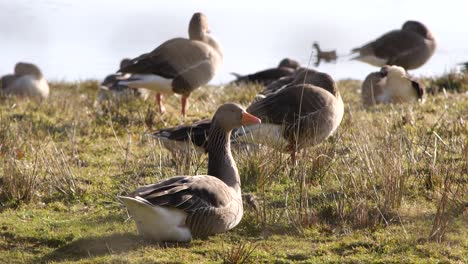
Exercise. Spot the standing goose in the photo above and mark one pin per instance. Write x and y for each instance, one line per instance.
(299, 115)
(286, 67)
(321, 113)
(390, 85)
(185, 207)
(27, 81)
(111, 84)
(410, 47)
(178, 65)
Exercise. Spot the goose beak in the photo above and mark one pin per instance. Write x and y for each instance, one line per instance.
(248, 119)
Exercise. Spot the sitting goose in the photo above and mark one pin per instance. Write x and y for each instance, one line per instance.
(185, 207)
(111, 84)
(26, 81)
(178, 65)
(410, 47)
(284, 81)
(286, 67)
(321, 113)
(390, 85)
(182, 138)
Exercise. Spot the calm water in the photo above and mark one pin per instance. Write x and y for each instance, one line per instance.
(86, 39)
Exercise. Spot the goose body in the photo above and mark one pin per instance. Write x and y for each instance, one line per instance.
(178, 65)
(185, 207)
(27, 81)
(287, 129)
(181, 139)
(391, 85)
(409, 47)
(286, 67)
(111, 86)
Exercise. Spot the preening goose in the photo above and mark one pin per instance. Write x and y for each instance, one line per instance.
(286, 67)
(185, 207)
(178, 65)
(26, 81)
(390, 85)
(409, 47)
(299, 115)
(111, 86)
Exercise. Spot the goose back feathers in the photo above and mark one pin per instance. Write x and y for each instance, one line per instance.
(286, 67)
(410, 47)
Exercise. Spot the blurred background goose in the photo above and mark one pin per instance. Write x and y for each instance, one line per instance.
(390, 85)
(286, 67)
(178, 65)
(26, 81)
(185, 207)
(110, 86)
(409, 47)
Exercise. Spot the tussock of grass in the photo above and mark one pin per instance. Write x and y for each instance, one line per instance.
(389, 183)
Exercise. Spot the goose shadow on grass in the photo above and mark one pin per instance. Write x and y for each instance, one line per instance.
(90, 247)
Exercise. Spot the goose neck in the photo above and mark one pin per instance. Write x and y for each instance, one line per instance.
(220, 161)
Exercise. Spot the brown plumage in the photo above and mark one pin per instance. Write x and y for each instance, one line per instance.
(26, 81)
(409, 47)
(178, 65)
(283, 126)
(327, 56)
(286, 67)
(112, 88)
(185, 207)
(391, 84)
(299, 115)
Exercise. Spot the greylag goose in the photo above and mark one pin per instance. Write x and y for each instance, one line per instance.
(27, 81)
(185, 207)
(111, 84)
(327, 56)
(287, 80)
(390, 85)
(286, 67)
(410, 47)
(299, 115)
(178, 65)
(182, 138)
(321, 113)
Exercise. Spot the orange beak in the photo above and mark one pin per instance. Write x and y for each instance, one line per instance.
(248, 119)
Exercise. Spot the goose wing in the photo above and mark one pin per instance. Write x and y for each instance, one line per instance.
(188, 193)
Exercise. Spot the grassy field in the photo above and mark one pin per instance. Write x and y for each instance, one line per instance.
(389, 187)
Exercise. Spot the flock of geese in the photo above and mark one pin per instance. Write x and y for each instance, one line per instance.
(298, 108)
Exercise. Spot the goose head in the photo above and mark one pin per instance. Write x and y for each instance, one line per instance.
(230, 116)
(198, 27)
(419, 28)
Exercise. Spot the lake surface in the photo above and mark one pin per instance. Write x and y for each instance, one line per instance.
(73, 40)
